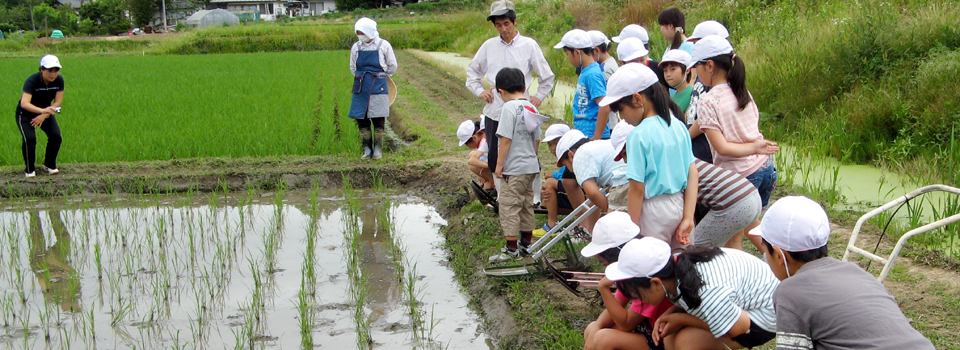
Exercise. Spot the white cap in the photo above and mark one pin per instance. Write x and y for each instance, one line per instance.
(598, 37)
(618, 137)
(639, 258)
(631, 49)
(554, 132)
(368, 27)
(611, 231)
(795, 224)
(678, 56)
(709, 28)
(575, 39)
(567, 141)
(627, 80)
(633, 31)
(465, 131)
(50, 61)
(709, 47)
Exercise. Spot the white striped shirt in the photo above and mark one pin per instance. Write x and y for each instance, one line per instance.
(735, 281)
(720, 188)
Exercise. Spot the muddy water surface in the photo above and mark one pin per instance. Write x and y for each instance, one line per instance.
(240, 271)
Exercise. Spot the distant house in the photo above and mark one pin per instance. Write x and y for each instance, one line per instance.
(273, 8)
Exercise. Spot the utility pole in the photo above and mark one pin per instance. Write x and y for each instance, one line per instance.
(163, 14)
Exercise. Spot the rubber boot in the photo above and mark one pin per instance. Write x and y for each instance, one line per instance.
(378, 146)
(367, 140)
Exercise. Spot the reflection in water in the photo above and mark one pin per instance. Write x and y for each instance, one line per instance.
(51, 265)
(384, 289)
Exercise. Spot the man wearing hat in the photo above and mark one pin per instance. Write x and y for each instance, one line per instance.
(509, 49)
(38, 106)
(824, 303)
(372, 62)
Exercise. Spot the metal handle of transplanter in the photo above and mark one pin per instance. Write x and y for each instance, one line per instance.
(580, 213)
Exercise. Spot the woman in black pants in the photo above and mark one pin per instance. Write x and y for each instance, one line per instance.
(42, 96)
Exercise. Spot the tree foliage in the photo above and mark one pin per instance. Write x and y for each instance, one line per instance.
(104, 17)
(350, 5)
(143, 11)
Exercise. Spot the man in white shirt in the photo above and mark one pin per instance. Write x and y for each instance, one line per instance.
(508, 50)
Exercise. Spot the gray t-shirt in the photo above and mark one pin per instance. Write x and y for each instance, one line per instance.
(610, 66)
(522, 157)
(829, 304)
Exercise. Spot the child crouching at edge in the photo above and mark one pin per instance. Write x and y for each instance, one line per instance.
(619, 327)
(517, 166)
(471, 134)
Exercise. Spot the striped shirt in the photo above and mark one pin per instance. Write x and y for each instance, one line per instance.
(720, 188)
(735, 281)
(717, 110)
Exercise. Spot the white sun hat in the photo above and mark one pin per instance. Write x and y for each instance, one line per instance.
(368, 27)
(567, 141)
(706, 28)
(598, 37)
(629, 79)
(50, 61)
(639, 258)
(677, 56)
(633, 31)
(618, 137)
(465, 131)
(795, 224)
(554, 132)
(631, 49)
(575, 39)
(611, 231)
(709, 47)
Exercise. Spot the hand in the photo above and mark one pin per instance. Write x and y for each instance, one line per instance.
(545, 194)
(765, 147)
(665, 326)
(594, 138)
(683, 231)
(499, 171)
(35, 122)
(535, 101)
(487, 96)
(49, 110)
(605, 284)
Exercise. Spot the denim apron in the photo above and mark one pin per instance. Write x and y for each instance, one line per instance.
(370, 99)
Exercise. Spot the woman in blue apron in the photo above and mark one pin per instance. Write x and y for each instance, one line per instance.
(371, 61)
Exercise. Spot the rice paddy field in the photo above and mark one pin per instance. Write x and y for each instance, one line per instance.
(346, 269)
(174, 107)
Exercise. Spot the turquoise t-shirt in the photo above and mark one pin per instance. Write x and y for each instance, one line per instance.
(659, 156)
(685, 46)
(594, 160)
(590, 86)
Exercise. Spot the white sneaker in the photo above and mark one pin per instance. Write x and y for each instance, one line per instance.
(30, 174)
(53, 171)
(505, 255)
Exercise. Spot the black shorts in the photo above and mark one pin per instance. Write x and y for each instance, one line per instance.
(562, 200)
(756, 336)
(643, 328)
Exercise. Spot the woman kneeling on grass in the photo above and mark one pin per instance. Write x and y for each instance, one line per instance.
(723, 297)
(618, 326)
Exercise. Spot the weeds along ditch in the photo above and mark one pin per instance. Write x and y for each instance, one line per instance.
(281, 269)
(175, 107)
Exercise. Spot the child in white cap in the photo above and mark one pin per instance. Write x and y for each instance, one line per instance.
(676, 66)
(723, 297)
(560, 192)
(729, 117)
(588, 116)
(706, 28)
(602, 178)
(618, 324)
(633, 50)
(663, 177)
(824, 303)
(608, 64)
(473, 135)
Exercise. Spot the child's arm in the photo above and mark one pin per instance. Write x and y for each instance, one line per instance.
(504, 150)
(635, 200)
(695, 130)
(689, 205)
(603, 115)
(474, 159)
(595, 194)
(623, 319)
(732, 149)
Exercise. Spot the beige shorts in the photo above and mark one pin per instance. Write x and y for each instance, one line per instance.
(660, 217)
(516, 204)
(617, 197)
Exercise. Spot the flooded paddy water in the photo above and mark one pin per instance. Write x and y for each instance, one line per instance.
(244, 270)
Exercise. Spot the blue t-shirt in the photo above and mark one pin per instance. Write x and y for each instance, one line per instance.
(659, 156)
(594, 160)
(590, 86)
(685, 46)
